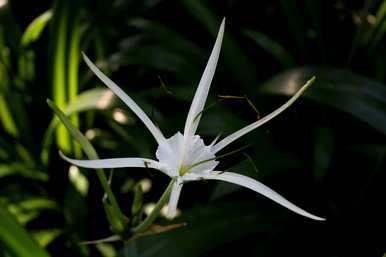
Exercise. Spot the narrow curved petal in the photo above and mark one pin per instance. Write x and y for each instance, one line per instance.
(262, 189)
(234, 136)
(173, 200)
(201, 94)
(157, 134)
(115, 163)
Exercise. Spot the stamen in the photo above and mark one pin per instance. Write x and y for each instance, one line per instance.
(217, 157)
(164, 87)
(250, 160)
(183, 170)
(245, 97)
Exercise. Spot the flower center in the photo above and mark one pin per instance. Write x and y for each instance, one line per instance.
(181, 156)
(183, 170)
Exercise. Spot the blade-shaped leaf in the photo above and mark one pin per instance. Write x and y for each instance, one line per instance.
(206, 229)
(58, 66)
(363, 98)
(297, 25)
(35, 28)
(171, 40)
(45, 237)
(272, 47)
(17, 168)
(91, 154)
(236, 60)
(27, 209)
(94, 99)
(15, 238)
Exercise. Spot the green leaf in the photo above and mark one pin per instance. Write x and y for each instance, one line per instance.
(15, 239)
(361, 97)
(207, 228)
(376, 32)
(35, 28)
(235, 59)
(159, 57)
(106, 250)
(315, 12)
(45, 237)
(94, 99)
(58, 53)
(6, 117)
(272, 47)
(324, 144)
(17, 168)
(171, 40)
(26, 67)
(28, 209)
(6, 147)
(75, 133)
(297, 25)
(73, 71)
(92, 155)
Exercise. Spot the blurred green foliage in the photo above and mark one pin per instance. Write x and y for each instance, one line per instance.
(327, 153)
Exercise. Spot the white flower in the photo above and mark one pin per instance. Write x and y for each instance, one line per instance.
(185, 156)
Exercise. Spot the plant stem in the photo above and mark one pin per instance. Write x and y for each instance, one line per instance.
(110, 196)
(91, 153)
(155, 213)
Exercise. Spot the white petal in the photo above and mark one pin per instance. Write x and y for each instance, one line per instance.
(173, 200)
(201, 94)
(198, 152)
(115, 163)
(169, 153)
(232, 137)
(127, 100)
(173, 154)
(262, 189)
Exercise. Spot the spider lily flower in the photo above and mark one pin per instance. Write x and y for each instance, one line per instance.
(186, 157)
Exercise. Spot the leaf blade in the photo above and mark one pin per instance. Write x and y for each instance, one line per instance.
(16, 239)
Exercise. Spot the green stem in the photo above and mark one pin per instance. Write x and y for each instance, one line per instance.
(91, 153)
(110, 196)
(155, 213)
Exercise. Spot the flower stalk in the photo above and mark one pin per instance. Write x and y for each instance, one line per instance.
(156, 211)
(92, 155)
